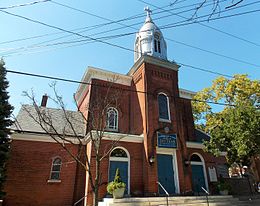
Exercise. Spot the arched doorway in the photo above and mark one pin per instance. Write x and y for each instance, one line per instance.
(199, 178)
(120, 158)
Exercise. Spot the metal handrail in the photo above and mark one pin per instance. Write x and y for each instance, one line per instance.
(165, 192)
(80, 200)
(207, 194)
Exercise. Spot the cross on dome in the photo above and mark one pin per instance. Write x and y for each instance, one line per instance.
(148, 11)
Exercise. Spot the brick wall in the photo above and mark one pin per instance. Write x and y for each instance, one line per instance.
(28, 171)
(136, 172)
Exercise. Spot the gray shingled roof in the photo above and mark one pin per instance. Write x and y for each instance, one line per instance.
(25, 123)
(200, 136)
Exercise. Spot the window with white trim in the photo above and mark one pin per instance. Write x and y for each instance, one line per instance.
(164, 110)
(195, 158)
(118, 152)
(112, 119)
(55, 169)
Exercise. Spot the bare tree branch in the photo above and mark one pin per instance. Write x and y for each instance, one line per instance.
(234, 4)
(93, 117)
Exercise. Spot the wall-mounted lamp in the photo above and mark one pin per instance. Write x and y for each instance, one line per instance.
(151, 160)
(186, 162)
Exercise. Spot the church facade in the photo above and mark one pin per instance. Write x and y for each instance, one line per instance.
(158, 145)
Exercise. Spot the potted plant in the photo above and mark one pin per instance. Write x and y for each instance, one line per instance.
(223, 187)
(116, 187)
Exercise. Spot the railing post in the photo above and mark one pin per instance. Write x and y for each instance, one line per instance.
(167, 194)
(79, 200)
(207, 193)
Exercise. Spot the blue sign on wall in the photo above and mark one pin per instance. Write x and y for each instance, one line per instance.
(167, 140)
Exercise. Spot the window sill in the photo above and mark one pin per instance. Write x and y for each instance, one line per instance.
(54, 181)
(164, 120)
(111, 130)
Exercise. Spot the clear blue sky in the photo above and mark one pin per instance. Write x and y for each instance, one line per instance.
(40, 56)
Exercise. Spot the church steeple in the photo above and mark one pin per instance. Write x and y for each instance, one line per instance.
(149, 40)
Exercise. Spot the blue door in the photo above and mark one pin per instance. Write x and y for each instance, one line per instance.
(123, 167)
(165, 173)
(198, 179)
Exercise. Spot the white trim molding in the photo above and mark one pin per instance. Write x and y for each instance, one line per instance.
(183, 93)
(44, 138)
(155, 61)
(97, 73)
(121, 137)
(195, 145)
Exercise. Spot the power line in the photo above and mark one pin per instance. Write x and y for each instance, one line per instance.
(138, 23)
(28, 38)
(132, 17)
(39, 46)
(210, 27)
(111, 21)
(215, 53)
(64, 30)
(26, 4)
(111, 44)
(204, 70)
(121, 35)
(211, 19)
(84, 29)
(100, 85)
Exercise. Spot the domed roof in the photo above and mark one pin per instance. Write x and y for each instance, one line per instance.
(149, 40)
(149, 25)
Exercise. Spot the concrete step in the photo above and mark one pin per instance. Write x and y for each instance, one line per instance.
(174, 201)
(250, 203)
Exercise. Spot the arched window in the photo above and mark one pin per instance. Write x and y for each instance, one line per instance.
(195, 158)
(199, 175)
(55, 169)
(118, 152)
(164, 111)
(157, 43)
(120, 158)
(112, 119)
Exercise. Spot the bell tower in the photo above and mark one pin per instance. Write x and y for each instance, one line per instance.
(149, 40)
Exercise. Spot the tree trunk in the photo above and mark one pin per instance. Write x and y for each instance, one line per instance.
(95, 197)
(96, 190)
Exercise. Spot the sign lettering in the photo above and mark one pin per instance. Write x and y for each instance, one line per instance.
(167, 140)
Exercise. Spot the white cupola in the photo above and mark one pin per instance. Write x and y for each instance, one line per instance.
(149, 40)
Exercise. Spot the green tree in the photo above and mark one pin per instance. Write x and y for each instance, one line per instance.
(234, 129)
(5, 122)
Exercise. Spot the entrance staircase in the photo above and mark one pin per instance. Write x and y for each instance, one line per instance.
(222, 200)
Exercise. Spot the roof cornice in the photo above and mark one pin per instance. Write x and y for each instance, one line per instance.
(153, 60)
(97, 73)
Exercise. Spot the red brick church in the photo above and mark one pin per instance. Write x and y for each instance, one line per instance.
(158, 140)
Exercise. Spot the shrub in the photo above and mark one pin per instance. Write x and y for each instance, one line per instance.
(117, 183)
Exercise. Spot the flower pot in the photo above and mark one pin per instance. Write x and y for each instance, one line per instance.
(223, 192)
(118, 193)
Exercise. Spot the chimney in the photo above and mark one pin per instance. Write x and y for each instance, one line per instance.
(44, 100)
